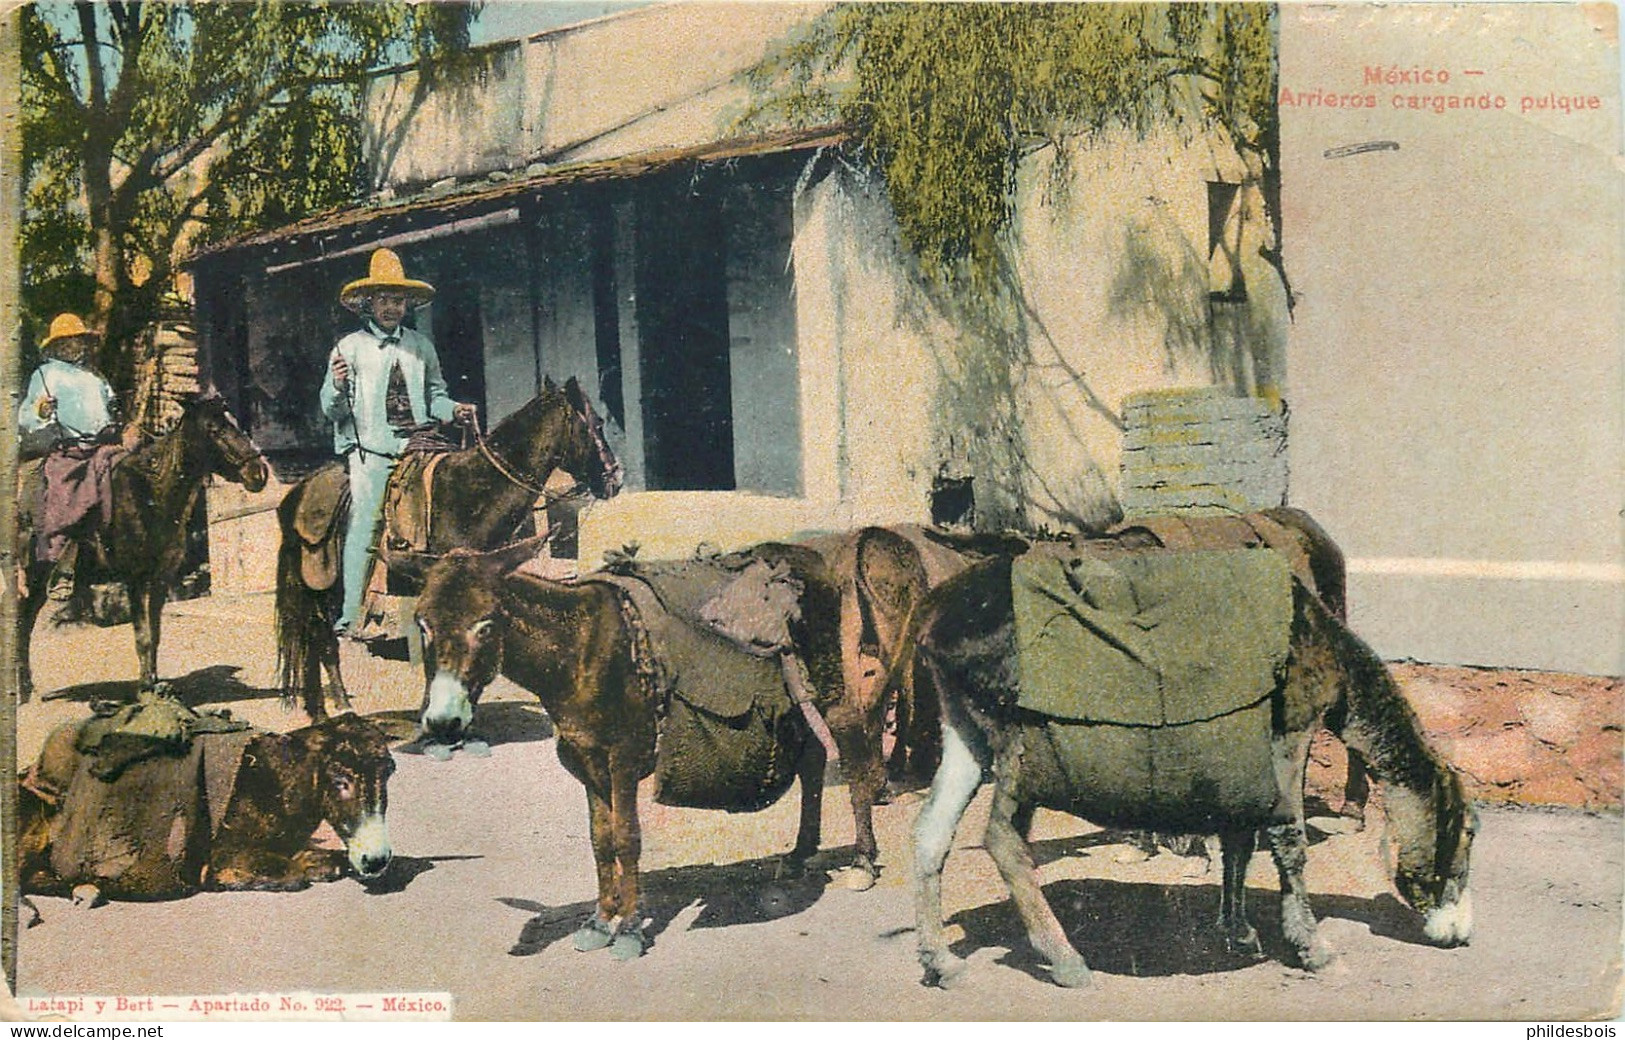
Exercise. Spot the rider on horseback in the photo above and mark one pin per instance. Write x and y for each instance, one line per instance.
(383, 382)
(69, 416)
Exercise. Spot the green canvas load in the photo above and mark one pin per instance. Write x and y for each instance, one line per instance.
(1149, 676)
(731, 735)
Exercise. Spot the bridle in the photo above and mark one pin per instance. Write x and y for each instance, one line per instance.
(525, 482)
(238, 460)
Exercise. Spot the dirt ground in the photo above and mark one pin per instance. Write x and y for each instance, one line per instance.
(493, 872)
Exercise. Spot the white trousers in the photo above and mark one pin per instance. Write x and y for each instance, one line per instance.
(369, 476)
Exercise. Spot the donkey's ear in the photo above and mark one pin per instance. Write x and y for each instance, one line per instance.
(548, 384)
(413, 566)
(514, 555)
(573, 394)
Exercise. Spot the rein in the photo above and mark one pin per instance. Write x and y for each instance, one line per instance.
(507, 470)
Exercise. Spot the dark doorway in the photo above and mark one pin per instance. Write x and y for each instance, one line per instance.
(682, 312)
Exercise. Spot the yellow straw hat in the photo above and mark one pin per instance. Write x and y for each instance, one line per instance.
(67, 326)
(385, 274)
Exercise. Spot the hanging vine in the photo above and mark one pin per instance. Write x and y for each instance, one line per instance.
(945, 100)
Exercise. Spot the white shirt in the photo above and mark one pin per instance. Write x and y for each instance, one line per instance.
(84, 401)
(358, 413)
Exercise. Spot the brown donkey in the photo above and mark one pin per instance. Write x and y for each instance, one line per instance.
(574, 646)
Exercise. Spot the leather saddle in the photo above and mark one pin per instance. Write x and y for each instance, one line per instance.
(319, 515)
(322, 512)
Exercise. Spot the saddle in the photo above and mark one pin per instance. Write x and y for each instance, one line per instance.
(1239, 531)
(319, 515)
(323, 510)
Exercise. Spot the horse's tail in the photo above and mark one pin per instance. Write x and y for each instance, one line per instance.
(301, 612)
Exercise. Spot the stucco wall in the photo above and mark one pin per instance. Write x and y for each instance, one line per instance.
(1116, 271)
(655, 77)
(894, 388)
(1455, 366)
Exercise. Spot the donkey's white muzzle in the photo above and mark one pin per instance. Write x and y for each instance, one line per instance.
(369, 847)
(1450, 924)
(449, 710)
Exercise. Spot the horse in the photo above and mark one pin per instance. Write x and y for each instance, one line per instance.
(284, 786)
(143, 544)
(573, 646)
(967, 644)
(476, 498)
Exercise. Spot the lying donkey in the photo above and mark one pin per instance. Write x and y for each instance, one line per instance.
(156, 831)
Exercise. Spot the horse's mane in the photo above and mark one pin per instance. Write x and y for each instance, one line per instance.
(522, 421)
(162, 448)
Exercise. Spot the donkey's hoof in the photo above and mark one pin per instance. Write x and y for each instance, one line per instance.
(1072, 973)
(792, 867)
(861, 875)
(438, 752)
(629, 945)
(943, 971)
(594, 935)
(87, 896)
(1244, 944)
(1316, 957)
(476, 749)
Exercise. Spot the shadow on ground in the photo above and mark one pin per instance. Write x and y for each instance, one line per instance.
(1150, 843)
(1149, 930)
(403, 870)
(501, 722)
(747, 892)
(214, 684)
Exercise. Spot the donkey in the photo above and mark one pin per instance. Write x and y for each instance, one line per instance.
(574, 647)
(156, 831)
(967, 644)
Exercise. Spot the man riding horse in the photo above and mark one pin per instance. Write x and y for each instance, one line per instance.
(383, 384)
(69, 416)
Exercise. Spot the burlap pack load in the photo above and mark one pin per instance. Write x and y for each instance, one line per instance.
(1148, 676)
(136, 798)
(731, 735)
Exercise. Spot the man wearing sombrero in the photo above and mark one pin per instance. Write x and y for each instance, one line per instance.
(370, 424)
(69, 414)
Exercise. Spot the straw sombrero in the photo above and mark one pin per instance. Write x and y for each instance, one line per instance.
(65, 327)
(385, 273)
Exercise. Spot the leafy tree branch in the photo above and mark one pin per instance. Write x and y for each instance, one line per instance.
(148, 127)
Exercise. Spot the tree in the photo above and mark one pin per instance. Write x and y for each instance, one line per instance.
(149, 127)
(945, 100)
